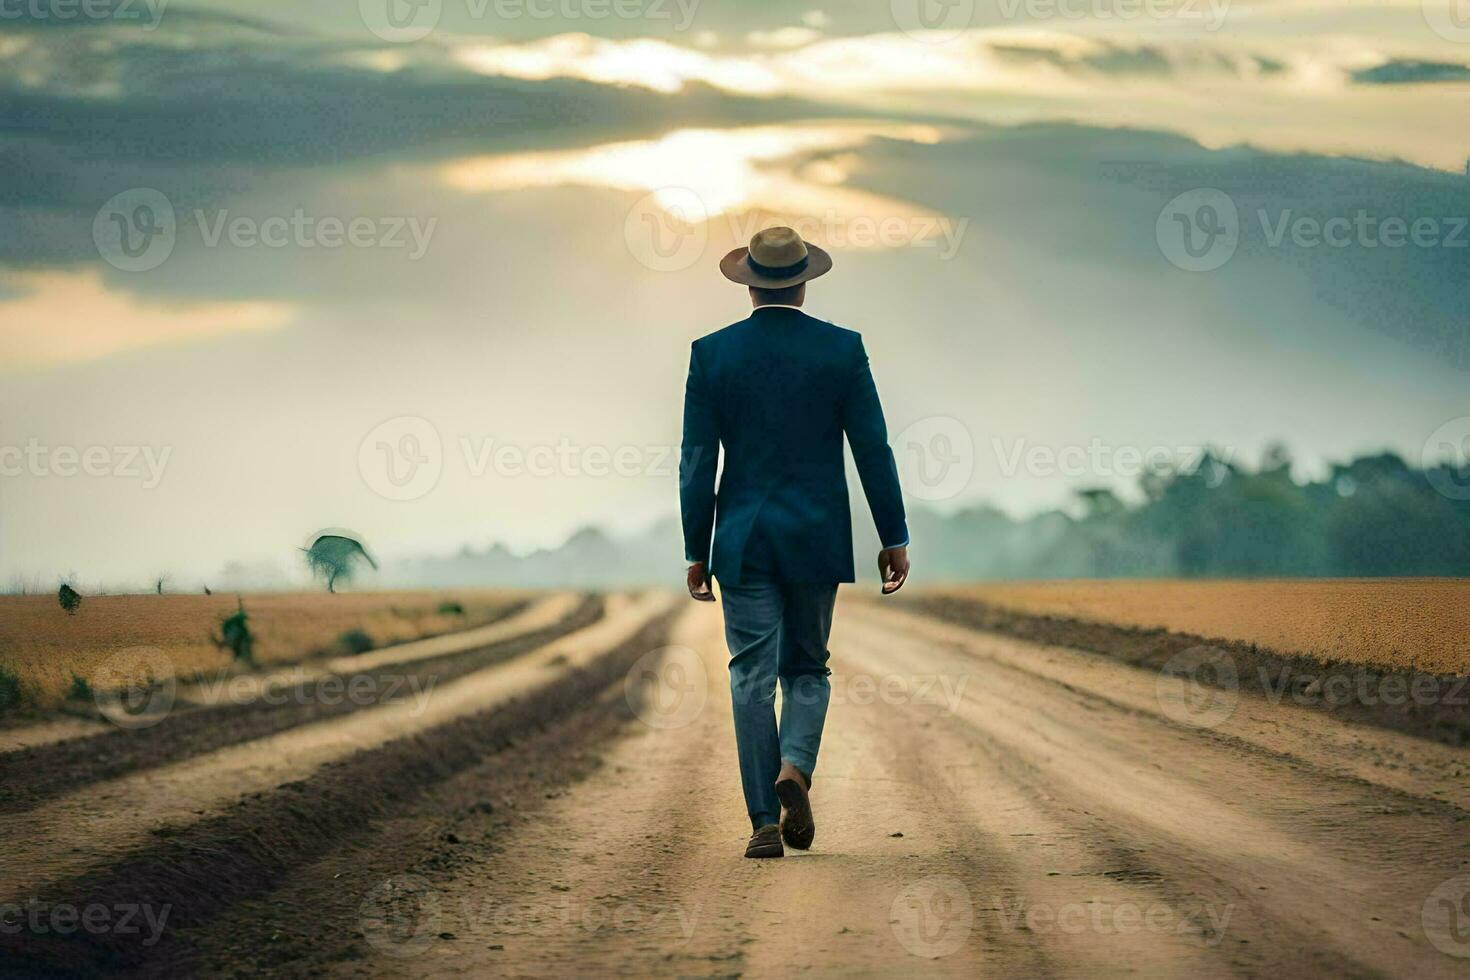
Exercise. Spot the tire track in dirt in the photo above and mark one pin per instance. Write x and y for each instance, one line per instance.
(1443, 716)
(629, 872)
(1318, 873)
(1046, 829)
(583, 863)
(985, 806)
(1298, 735)
(89, 828)
(39, 773)
(952, 895)
(638, 871)
(24, 735)
(201, 869)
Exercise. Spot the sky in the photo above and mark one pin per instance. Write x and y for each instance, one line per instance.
(430, 271)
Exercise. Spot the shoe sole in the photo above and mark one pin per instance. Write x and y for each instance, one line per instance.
(798, 829)
(766, 851)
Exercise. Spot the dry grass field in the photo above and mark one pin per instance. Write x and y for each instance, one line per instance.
(1421, 624)
(44, 647)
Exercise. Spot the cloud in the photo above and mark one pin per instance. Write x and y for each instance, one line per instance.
(1286, 91)
(1398, 72)
(783, 37)
(799, 59)
(220, 113)
(792, 170)
(640, 62)
(298, 103)
(59, 317)
(1331, 251)
(206, 110)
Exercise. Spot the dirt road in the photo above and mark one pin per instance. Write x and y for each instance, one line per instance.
(985, 806)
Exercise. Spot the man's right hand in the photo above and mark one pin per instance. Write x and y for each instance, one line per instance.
(893, 568)
(698, 581)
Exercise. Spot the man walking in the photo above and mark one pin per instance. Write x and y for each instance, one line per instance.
(778, 390)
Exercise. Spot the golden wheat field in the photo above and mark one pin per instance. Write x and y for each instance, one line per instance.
(45, 647)
(1423, 624)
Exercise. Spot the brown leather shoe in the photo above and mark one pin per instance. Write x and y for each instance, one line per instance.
(765, 843)
(798, 828)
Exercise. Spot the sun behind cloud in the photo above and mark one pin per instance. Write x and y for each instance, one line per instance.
(784, 173)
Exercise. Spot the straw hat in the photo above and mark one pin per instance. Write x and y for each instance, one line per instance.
(776, 258)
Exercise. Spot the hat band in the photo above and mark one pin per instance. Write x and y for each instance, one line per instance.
(778, 271)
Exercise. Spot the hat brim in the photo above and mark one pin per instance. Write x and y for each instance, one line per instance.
(737, 268)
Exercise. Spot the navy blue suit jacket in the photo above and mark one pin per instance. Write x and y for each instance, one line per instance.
(778, 391)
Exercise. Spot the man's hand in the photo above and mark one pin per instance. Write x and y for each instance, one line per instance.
(698, 580)
(893, 568)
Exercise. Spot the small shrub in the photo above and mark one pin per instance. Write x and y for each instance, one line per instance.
(236, 637)
(336, 557)
(450, 608)
(356, 641)
(69, 598)
(10, 692)
(81, 689)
